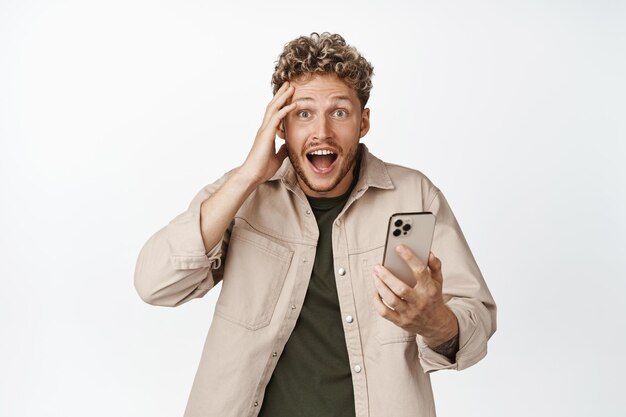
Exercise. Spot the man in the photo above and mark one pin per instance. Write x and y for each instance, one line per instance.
(308, 323)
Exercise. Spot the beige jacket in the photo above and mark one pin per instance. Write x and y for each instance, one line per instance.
(265, 261)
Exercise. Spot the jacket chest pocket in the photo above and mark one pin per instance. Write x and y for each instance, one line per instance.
(385, 331)
(254, 273)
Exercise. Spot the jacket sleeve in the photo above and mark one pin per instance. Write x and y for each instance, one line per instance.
(173, 266)
(464, 290)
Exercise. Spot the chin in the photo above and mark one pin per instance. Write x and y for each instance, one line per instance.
(322, 186)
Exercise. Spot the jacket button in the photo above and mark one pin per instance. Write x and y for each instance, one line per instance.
(341, 271)
(357, 368)
(349, 319)
(256, 403)
(274, 354)
(308, 212)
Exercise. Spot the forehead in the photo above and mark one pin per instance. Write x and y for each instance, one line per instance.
(322, 88)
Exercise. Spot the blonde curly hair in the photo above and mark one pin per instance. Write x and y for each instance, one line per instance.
(324, 54)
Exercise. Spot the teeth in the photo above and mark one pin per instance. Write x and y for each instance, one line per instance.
(322, 152)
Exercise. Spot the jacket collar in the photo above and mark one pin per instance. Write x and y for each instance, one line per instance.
(373, 172)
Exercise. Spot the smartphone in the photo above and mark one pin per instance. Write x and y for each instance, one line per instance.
(413, 230)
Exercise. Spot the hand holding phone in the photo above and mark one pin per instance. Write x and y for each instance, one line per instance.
(413, 230)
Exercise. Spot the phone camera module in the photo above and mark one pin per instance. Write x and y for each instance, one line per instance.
(406, 227)
(397, 232)
(398, 223)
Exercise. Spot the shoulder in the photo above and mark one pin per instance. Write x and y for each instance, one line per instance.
(402, 173)
(407, 179)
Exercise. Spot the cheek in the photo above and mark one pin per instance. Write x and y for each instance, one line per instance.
(293, 141)
(349, 136)
(349, 128)
(295, 135)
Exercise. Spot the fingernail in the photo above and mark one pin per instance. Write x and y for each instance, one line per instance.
(400, 249)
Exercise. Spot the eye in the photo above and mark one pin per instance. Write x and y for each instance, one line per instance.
(304, 114)
(340, 113)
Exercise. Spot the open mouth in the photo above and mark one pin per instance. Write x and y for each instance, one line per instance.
(322, 160)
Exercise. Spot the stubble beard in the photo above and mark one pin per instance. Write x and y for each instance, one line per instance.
(346, 166)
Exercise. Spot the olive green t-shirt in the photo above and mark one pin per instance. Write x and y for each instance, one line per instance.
(312, 377)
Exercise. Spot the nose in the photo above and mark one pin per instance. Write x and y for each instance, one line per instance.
(322, 129)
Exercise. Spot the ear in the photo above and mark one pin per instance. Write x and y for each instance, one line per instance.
(365, 122)
(280, 130)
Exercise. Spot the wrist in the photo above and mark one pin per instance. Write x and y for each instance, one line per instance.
(247, 179)
(448, 349)
(444, 329)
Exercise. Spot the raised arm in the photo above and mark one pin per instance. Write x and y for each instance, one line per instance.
(184, 259)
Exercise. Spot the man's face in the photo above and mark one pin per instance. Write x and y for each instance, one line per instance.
(322, 134)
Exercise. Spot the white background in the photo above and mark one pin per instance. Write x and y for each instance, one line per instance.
(113, 114)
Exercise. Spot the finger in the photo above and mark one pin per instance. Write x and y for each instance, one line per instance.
(274, 121)
(389, 297)
(281, 90)
(274, 116)
(278, 93)
(283, 87)
(415, 264)
(396, 285)
(434, 264)
(384, 311)
(276, 106)
(280, 97)
(285, 110)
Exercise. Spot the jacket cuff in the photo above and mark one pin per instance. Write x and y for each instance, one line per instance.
(472, 343)
(187, 249)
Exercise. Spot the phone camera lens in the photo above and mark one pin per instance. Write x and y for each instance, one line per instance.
(397, 232)
(406, 227)
(398, 223)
